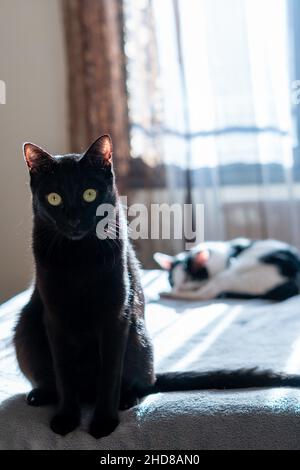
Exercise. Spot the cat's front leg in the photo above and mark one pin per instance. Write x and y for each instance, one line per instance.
(113, 346)
(67, 417)
(223, 282)
(211, 290)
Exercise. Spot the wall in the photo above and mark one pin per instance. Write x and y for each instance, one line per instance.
(33, 66)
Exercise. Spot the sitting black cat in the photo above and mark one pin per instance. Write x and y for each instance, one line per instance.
(85, 316)
(82, 337)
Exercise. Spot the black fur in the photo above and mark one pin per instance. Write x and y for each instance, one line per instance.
(237, 247)
(196, 272)
(220, 380)
(283, 292)
(287, 262)
(170, 273)
(223, 379)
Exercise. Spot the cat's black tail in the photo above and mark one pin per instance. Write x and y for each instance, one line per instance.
(220, 380)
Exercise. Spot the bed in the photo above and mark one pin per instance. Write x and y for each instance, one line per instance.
(196, 335)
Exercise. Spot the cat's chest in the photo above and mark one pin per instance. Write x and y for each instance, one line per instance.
(82, 278)
(81, 288)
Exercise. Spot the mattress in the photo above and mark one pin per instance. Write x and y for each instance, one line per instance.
(187, 336)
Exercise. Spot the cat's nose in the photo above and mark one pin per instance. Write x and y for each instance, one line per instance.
(74, 222)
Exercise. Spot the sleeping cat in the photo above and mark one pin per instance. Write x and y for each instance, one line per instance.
(241, 268)
(82, 336)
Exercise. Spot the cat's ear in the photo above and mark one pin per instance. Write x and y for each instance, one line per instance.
(100, 151)
(36, 158)
(164, 261)
(200, 259)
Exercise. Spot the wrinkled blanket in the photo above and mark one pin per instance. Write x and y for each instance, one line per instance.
(200, 336)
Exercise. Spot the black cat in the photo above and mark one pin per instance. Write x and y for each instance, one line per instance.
(85, 316)
(82, 337)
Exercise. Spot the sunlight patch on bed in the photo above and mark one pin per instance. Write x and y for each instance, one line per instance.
(186, 327)
(193, 356)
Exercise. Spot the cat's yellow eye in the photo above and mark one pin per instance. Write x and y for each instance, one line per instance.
(54, 199)
(89, 195)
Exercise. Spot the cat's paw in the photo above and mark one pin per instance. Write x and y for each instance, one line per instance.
(41, 396)
(208, 292)
(167, 294)
(64, 423)
(104, 427)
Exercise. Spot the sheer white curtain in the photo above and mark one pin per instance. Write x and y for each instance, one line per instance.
(210, 88)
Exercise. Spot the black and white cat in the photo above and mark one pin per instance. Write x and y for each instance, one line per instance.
(240, 268)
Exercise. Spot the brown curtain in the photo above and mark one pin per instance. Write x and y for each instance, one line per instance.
(97, 78)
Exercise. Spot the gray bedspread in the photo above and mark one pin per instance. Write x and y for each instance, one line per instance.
(195, 335)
